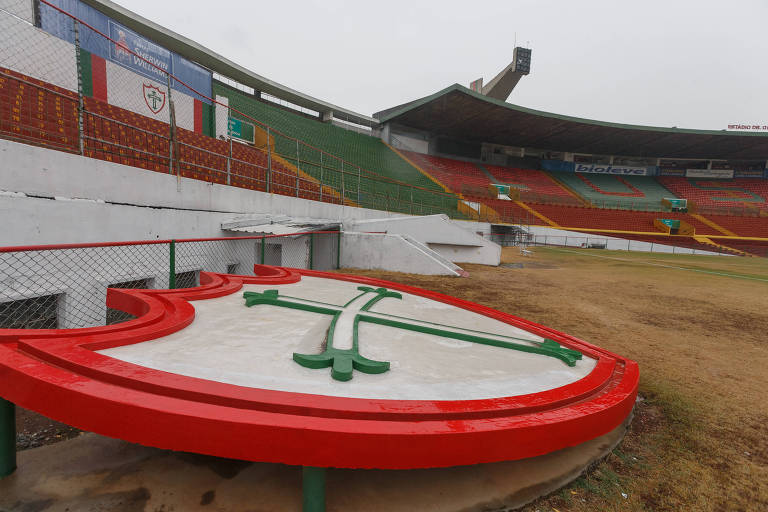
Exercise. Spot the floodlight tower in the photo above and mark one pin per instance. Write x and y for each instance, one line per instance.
(501, 86)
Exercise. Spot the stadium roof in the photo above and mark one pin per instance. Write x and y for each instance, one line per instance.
(215, 62)
(464, 114)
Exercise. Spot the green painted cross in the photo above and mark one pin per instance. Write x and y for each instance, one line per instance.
(342, 353)
(154, 98)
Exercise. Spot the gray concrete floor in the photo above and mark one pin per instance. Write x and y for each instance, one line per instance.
(91, 473)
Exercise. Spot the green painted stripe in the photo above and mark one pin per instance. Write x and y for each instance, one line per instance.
(86, 75)
(208, 120)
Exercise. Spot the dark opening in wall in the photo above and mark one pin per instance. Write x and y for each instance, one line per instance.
(34, 313)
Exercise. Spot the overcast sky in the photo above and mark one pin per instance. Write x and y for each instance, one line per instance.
(690, 64)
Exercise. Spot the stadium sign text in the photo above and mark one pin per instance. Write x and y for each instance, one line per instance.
(610, 169)
(750, 127)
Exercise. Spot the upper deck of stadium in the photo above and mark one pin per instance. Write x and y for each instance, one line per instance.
(462, 113)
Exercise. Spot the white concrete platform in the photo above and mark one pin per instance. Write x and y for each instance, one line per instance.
(253, 347)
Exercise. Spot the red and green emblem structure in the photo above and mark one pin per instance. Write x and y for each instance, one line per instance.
(235, 368)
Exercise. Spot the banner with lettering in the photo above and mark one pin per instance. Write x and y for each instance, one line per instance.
(709, 173)
(622, 170)
(125, 42)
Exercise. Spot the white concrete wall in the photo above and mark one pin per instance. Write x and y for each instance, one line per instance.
(221, 115)
(399, 253)
(21, 8)
(28, 50)
(551, 236)
(456, 241)
(133, 204)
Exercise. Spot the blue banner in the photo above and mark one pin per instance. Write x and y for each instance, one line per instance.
(138, 54)
(557, 165)
(126, 41)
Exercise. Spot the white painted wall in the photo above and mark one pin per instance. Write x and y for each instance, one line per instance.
(551, 236)
(28, 50)
(398, 253)
(21, 8)
(175, 207)
(456, 241)
(221, 115)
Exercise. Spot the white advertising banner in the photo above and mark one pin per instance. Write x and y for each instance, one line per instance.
(611, 169)
(709, 173)
(146, 97)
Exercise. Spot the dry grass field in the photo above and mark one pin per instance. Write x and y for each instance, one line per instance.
(697, 326)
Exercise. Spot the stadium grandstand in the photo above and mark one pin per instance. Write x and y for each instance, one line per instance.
(462, 152)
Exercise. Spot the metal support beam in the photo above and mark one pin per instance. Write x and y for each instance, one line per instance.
(313, 489)
(172, 265)
(7, 438)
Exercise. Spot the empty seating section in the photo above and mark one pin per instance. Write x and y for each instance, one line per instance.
(458, 176)
(534, 185)
(754, 247)
(737, 195)
(33, 111)
(118, 135)
(357, 150)
(510, 212)
(742, 226)
(622, 220)
(611, 191)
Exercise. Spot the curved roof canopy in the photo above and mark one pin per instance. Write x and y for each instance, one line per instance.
(465, 114)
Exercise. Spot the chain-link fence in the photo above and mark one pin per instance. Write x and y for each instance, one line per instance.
(678, 245)
(65, 286)
(73, 79)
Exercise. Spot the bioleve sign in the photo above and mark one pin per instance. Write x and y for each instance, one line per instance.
(611, 169)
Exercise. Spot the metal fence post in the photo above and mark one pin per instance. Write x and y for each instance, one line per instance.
(321, 176)
(172, 266)
(263, 249)
(343, 193)
(7, 438)
(170, 127)
(338, 250)
(80, 103)
(359, 172)
(269, 161)
(297, 167)
(311, 251)
(229, 160)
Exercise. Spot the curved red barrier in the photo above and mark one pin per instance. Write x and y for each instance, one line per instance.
(59, 374)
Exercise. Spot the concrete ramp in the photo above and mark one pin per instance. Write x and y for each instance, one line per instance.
(453, 240)
(398, 253)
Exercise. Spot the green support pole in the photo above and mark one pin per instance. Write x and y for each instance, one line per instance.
(172, 266)
(313, 489)
(338, 250)
(7, 438)
(311, 250)
(263, 244)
